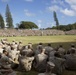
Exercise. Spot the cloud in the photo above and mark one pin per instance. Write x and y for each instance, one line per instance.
(53, 24)
(57, 2)
(53, 8)
(72, 10)
(73, 7)
(29, 0)
(29, 14)
(39, 25)
(68, 12)
(39, 21)
(5, 0)
(71, 2)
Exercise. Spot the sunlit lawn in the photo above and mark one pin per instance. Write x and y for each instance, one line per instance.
(43, 39)
(65, 40)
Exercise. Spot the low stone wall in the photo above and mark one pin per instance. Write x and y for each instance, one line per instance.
(26, 32)
(71, 32)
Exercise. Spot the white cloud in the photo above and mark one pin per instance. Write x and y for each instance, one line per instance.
(29, 14)
(68, 12)
(5, 0)
(57, 2)
(39, 21)
(53, 24)
(29, 0)
(71, 2)
(73, 7)
(39, 25)
(53, 8)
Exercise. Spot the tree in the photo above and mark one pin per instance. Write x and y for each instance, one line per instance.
(65, 27)
(2, 25)
(74, 26)
(27, 25)
(9, 20)
(56, 19)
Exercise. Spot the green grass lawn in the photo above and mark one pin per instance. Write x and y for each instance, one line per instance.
(43, 39)
(65, 40)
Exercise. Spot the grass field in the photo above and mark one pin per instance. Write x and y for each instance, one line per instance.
(65, 40)
(43, 39)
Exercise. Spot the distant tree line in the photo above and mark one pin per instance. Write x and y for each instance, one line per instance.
(64, 27)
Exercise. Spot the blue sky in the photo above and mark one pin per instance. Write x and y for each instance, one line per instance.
(40, 11)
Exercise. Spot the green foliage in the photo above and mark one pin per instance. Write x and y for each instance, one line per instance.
(27, 25)
(56, 19)
(9, 20)
(66, 27)
(2, 25)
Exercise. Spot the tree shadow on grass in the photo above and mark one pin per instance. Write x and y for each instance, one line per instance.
(32, 72)
(66, 46)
